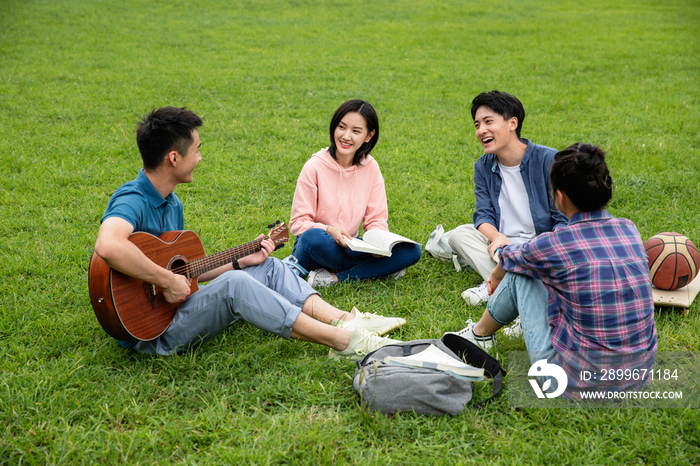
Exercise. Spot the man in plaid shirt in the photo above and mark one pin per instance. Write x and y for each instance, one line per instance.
(582, 292)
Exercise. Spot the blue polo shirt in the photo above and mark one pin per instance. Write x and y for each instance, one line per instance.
(139, 203)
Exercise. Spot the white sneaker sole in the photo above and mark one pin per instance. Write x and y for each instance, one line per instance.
(471, 298)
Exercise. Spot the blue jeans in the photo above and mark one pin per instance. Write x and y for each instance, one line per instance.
(316, 249)
(520, 295)
(269, 296)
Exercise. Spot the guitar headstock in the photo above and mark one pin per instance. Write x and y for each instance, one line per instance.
(279, 234)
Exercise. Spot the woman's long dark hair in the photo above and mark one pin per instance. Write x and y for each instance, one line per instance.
(371, 119)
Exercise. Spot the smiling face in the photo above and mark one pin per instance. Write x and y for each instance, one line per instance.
(493, 131)
(349, 135)
(186, 163)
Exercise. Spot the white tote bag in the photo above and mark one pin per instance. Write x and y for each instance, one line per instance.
(439, 247)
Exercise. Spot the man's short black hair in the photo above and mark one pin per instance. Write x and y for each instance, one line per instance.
(163, 130)
(580, 171)
(504, 104)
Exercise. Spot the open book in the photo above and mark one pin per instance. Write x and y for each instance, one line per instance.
(377, 242)
(434, 358)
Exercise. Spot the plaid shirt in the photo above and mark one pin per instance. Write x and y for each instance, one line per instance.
(597, 275)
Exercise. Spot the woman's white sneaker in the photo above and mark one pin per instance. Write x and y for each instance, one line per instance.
(320, 278)
(362, 342)
(371, 322)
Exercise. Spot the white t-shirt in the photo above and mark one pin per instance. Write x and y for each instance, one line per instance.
(516, 219)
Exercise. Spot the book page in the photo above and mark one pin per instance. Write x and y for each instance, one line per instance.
(357, 244)
(435, 358)
(384, 239)
(434, 354)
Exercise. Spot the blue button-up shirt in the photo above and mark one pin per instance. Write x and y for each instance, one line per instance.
(534, 169)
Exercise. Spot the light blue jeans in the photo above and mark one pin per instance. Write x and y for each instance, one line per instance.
(520, 295)
(315, 249)
(269, 296)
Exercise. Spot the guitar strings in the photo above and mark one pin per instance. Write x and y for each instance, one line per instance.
(218, 259)
(205, 264)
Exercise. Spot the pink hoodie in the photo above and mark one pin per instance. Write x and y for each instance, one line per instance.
(329, 195)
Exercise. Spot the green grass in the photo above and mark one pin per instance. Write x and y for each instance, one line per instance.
(266, 77)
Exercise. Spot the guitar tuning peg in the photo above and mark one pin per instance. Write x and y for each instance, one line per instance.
(271, 226)
(277, 222)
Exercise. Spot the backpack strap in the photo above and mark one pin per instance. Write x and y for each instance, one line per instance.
(477, 357)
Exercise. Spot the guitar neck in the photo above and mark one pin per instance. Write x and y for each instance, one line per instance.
(198, 267)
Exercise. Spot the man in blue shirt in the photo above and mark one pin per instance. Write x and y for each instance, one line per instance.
(256, 288)
(513, 202)
(583, 291)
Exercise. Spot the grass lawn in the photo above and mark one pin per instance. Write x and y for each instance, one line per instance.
(266, 77)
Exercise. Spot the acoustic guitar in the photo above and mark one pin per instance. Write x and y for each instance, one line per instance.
(130, 309)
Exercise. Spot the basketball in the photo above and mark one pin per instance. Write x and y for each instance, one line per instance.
(673, 260)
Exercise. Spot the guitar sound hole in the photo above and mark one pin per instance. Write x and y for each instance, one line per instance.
(179, 266)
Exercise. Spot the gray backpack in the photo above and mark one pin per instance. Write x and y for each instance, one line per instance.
(392, 388)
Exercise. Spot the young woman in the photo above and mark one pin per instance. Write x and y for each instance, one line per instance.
(583, 288)
(338, 189)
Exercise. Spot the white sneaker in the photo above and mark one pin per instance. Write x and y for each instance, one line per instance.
(400, 274)
(361, 344)
(515, 330)
(477, 295)
(320, 278)
(485, 343)
(371, 322)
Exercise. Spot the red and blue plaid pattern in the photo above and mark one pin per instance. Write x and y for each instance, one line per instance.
(595, 270)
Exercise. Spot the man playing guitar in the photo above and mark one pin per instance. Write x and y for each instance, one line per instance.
(257, 288)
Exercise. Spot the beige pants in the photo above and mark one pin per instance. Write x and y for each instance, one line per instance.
(472, 246)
